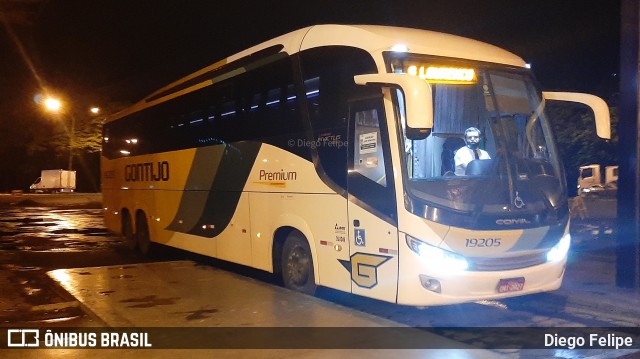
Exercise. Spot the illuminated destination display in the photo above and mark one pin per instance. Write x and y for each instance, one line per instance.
(442, 74)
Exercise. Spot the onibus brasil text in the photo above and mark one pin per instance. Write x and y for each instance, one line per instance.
(32, 338)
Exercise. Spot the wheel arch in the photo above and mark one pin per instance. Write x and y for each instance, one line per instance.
(136, 218)
(133, 214)
(283, 229)
(124, 211)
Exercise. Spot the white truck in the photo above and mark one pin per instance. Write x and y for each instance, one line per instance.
(590, 179)
(52, 181)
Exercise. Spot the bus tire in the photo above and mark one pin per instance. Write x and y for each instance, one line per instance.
(142, 235)
(297, 264)
(127, 231)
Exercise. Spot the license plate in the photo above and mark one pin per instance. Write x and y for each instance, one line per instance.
(511, 285)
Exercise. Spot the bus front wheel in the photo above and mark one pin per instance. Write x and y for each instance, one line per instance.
(297, 264)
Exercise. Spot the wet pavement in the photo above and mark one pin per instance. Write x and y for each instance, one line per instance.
(35, 240)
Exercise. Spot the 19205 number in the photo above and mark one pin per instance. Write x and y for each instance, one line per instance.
(483, 242)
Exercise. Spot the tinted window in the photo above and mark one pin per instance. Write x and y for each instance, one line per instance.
(329, 87)
(259, 105)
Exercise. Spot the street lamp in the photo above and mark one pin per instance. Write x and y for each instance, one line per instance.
(63, 110)
(54, 105)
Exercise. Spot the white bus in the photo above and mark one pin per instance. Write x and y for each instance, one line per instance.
(325, 155)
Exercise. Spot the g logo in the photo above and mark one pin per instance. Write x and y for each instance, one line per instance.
(364, 268)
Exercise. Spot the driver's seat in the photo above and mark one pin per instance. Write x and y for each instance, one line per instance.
(449, 148)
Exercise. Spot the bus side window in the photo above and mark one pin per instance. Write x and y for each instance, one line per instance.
(328, 86)
(368, 158)
(292, 116)
(370, 178)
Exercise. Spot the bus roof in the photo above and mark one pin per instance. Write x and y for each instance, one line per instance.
(372, 38)
(377, 38)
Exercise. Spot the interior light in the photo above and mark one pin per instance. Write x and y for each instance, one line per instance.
(400, 48)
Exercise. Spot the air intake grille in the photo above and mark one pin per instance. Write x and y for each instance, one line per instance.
(506, 263)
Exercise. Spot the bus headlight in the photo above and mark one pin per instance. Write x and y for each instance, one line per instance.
(560, 250)
(436, 258)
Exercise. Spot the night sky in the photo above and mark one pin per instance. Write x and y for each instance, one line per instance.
(114, 50)
(112, 53)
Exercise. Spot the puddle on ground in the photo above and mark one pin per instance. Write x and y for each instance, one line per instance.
(200, 314)
(150, 301)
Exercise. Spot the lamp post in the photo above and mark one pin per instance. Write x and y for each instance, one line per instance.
(54, 105)
(71, 140)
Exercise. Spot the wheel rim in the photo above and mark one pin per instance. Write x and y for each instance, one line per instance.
(298, 266)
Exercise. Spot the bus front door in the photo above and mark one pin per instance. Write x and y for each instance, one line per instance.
(372, 231)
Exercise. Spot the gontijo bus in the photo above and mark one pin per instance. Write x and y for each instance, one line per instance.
(324, 155)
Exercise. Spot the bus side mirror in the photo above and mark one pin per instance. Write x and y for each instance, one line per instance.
(599, 107)
(418, 100)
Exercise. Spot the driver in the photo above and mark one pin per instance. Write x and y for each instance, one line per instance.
(470, 151)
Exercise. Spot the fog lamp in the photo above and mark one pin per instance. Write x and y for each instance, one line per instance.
(430, 284)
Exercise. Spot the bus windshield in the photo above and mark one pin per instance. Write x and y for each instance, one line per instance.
(490, 152)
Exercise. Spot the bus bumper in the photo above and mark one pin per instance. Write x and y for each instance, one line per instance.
(420, 286)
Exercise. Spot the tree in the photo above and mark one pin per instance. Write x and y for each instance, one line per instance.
(578, 143)
(78, 131)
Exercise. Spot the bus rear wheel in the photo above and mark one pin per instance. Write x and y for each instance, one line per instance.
(142, 234)
(297, 264)
(127, 232)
